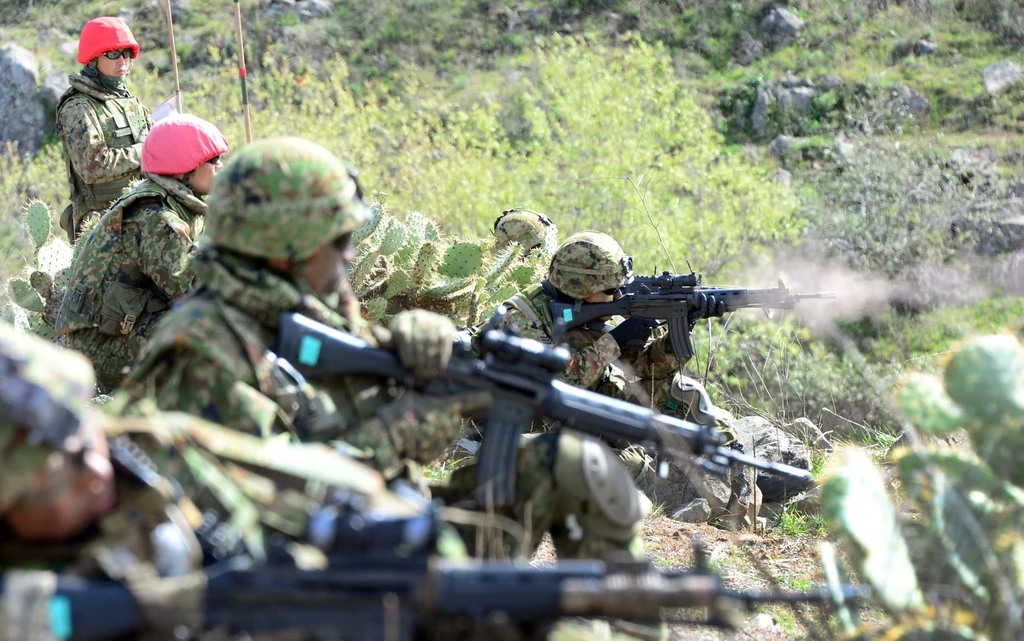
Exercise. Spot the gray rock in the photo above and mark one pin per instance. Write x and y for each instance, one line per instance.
(748, 49)
(782, 177)
(808, 502)
(765, 441)
(69, 49)
(22, 117)
(180, 8)
(1017, 190)
(795, 101)
(779, 26)
(809, 433)
(998, 76)
(762, 620)
(54, 85)
(759, 115)
(829, 82)
(994, 227)
(909, 102)
(126, 14)
(925, 48)
(313, 9)
(696, 511)
(778, 147)
(844, 150)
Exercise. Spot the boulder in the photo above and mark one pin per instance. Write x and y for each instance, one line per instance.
(998, 76)
(994, 227)
(925, 48)
(748, 49)
(768, 442)
(779, 26)
(778, 147)
(796, 100)
(828, 82)
(22, 115)
(313, 9)
(759, 115)
(696, 511)
(782, 177)
(909, 101)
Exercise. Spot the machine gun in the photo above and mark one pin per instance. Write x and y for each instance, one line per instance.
(382, 581)
(521, 374)
(681, 300)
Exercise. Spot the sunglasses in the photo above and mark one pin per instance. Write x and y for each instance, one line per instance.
(123, 53)
(214, 160)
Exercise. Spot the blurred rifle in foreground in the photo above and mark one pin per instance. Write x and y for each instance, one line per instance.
(381, 581)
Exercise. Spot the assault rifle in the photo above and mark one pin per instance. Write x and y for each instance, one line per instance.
(382, 581)
(681, 300)
(521, 374)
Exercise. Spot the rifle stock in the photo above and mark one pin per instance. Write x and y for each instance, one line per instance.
(521, 374)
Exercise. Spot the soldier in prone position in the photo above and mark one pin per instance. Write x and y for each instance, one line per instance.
(527, 228)
(135, 261)
(101, 124)
(278, 239)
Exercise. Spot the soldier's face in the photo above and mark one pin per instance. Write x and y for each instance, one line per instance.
(67, 495)
(201, 180)
(109, 67)
(325, 270)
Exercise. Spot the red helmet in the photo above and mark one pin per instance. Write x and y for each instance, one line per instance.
(105, 34)
(179, 143)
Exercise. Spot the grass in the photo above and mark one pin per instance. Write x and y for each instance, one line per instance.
(792, 523)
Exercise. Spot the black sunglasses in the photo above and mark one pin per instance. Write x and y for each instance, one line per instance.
(123, 53)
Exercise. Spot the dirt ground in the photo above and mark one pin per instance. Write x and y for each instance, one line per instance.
(744, 561)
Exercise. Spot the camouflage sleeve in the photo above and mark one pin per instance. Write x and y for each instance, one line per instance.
(161, 244)
(655, 359)
(590, 354)
(82, 134)
(196, 385)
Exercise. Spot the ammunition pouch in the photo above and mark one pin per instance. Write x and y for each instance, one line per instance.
(125, 305)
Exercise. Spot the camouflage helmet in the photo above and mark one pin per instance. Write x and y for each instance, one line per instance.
(283, 198)
(523, 226)
(589, 262)
(44, 392)
(690, 401)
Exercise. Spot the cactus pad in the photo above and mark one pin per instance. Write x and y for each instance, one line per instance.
(394, 236)
(399, 282)
(42, 283)
(502, 264)
(24, 296)
(857, 506)
(54, 256)
(364, 231)
(521, 276)
(986, 377)
(451, 290)
(376, 309)
(925, 404)
(461, 260)
(426, 262)
(37, 219)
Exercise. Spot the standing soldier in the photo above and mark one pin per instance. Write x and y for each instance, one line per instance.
(136, 260)
(100, 123)
(279, 237)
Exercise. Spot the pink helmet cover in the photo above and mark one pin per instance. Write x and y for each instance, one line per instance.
(179, 143)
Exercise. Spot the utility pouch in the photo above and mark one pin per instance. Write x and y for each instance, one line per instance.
(67, 221)
(123, 306)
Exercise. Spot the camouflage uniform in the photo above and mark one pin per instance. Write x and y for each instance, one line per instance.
(128, 270)
(585, 264)
(102, 132)
(212, 355)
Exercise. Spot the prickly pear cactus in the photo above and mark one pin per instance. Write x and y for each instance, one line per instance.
(411, 263)
(36, 296)
(955, 570)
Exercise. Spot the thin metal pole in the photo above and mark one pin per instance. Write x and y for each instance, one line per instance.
(242, 72)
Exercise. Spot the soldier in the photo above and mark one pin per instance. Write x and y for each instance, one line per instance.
(100, 123)
(135, 261)
(590, 267)
(530, 229)
(278, 239)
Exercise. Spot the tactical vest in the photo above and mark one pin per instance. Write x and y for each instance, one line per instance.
(124, 124)
(116, 298)
(534, 303)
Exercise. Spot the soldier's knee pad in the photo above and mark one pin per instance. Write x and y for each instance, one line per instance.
(593, 484)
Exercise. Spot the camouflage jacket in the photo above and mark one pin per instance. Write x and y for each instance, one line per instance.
(598, 364)
(135, 261)
(212, 356)
(102, 134)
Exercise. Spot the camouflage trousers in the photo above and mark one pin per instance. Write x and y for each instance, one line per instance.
(112, 356)
(567, 484)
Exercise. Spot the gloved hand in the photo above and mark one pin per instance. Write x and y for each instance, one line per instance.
(634, 331)
(424, 341)
(708, 306)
